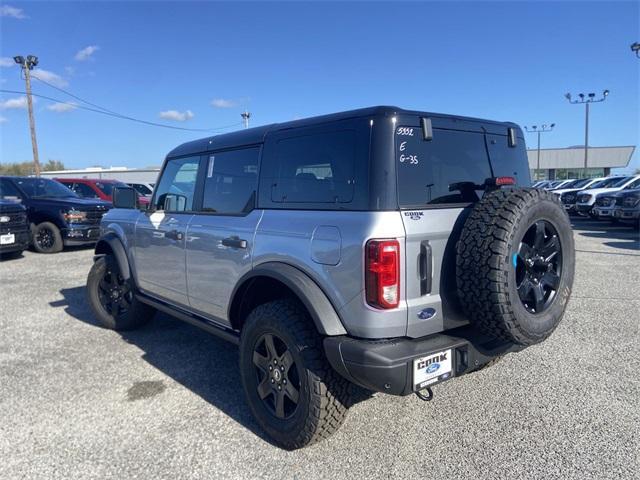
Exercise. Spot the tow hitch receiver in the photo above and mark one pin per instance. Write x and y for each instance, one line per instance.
(427, 397)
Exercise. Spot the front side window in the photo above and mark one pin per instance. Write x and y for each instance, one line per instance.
(107, 187)
(231, 181)
(315, 168)
(141, 188)
(177, 185)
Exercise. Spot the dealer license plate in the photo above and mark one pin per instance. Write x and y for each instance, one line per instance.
(7, 239)
(431, 369)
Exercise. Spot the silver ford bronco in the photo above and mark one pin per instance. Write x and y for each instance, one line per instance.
(385, 248)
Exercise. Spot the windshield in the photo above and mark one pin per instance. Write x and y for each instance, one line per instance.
(581, 183)
(107, 187)
(620, 182)
(44, 188)
(607, 182)
(446, 169)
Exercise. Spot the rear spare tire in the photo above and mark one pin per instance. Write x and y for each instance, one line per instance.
(515, 264)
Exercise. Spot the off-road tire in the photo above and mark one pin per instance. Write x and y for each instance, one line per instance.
(485, 270)
(56, 244)
(137, 314)
(323, 394)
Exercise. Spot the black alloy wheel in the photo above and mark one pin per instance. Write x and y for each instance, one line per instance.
(114, 293)
(45, 238)
(538, 266)
(277, 375)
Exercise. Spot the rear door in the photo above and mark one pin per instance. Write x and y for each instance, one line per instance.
(160, 235)
(221, 233)
(434, 209)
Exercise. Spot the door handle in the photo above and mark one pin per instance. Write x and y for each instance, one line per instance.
(174, 235)
(425, 267)
(234, 242)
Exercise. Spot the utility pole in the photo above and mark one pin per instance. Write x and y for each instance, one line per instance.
(543, 129)
(587, 100)
(245, 118)
(27, 65)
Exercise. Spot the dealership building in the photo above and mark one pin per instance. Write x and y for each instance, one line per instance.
(563, 163)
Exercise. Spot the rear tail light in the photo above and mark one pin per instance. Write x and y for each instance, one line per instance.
(382, 273)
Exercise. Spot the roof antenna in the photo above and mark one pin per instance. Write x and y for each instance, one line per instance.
(245, 118)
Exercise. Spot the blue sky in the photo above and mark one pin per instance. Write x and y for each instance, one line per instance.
(202, 63)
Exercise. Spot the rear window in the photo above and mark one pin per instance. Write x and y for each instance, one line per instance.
(434, 172)
(426, 169)
(316, 168)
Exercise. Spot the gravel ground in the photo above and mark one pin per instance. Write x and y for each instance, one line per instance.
(78, 401)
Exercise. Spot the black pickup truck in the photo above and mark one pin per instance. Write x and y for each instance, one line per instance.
(14, 229)
(56, 215)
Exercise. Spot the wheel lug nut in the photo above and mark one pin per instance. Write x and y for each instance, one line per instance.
(284, 381)
(275, 362)
(282, 368)
(273, 381)
(279, 387)
(270, 368)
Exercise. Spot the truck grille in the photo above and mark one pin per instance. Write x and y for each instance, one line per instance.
(620, 201)
(605, 201)
(95, 215)
(17, 221)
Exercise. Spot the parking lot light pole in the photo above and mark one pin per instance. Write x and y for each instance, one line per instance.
(587, 100)
(635, 48)
(543, 129)
(27, 65)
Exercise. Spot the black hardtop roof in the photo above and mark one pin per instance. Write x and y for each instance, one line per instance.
(256, 135)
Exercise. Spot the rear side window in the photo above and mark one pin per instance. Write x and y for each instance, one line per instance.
(427, 169)
(231, 181)
(316, 168)
(83, 190)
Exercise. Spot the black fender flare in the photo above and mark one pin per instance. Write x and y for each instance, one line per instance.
(322, 311)
(115, 245)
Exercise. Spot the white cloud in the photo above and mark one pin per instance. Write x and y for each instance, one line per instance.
(19, 102)
(6, 62)
(9, 11)
(62, 107)
(223, 103)
(86, 53)
(3, 119)
(176, 115)
(50, 77)
(70, 71)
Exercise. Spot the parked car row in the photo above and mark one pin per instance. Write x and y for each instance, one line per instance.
(51, 214)
(612, 198)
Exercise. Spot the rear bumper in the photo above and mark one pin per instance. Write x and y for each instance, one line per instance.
(387, 365)
(81, 234)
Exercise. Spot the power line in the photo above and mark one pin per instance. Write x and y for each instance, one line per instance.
(124, 117)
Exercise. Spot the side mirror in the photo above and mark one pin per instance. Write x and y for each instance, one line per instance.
(124, 197)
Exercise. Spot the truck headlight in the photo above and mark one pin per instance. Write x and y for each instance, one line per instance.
(74, 216)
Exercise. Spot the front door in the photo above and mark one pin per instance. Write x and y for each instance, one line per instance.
(161, 233)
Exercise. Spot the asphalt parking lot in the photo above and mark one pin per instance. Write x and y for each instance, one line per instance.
(78, 401)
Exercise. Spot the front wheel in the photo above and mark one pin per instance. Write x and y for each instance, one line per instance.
(46, 238)
(291, 389)
(112, 298)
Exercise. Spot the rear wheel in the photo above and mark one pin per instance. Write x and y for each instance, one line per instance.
(46, 238)
(112, 297)
(291, 389)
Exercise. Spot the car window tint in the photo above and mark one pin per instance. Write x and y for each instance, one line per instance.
(177, 185)
(315, 168)
(231, 181)
(428, 170)
(8, 191)
(83, 190)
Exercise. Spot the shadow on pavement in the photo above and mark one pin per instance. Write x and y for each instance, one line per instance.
(203, 363)
(627, 238)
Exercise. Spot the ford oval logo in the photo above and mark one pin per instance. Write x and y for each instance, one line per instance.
(433, 367)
